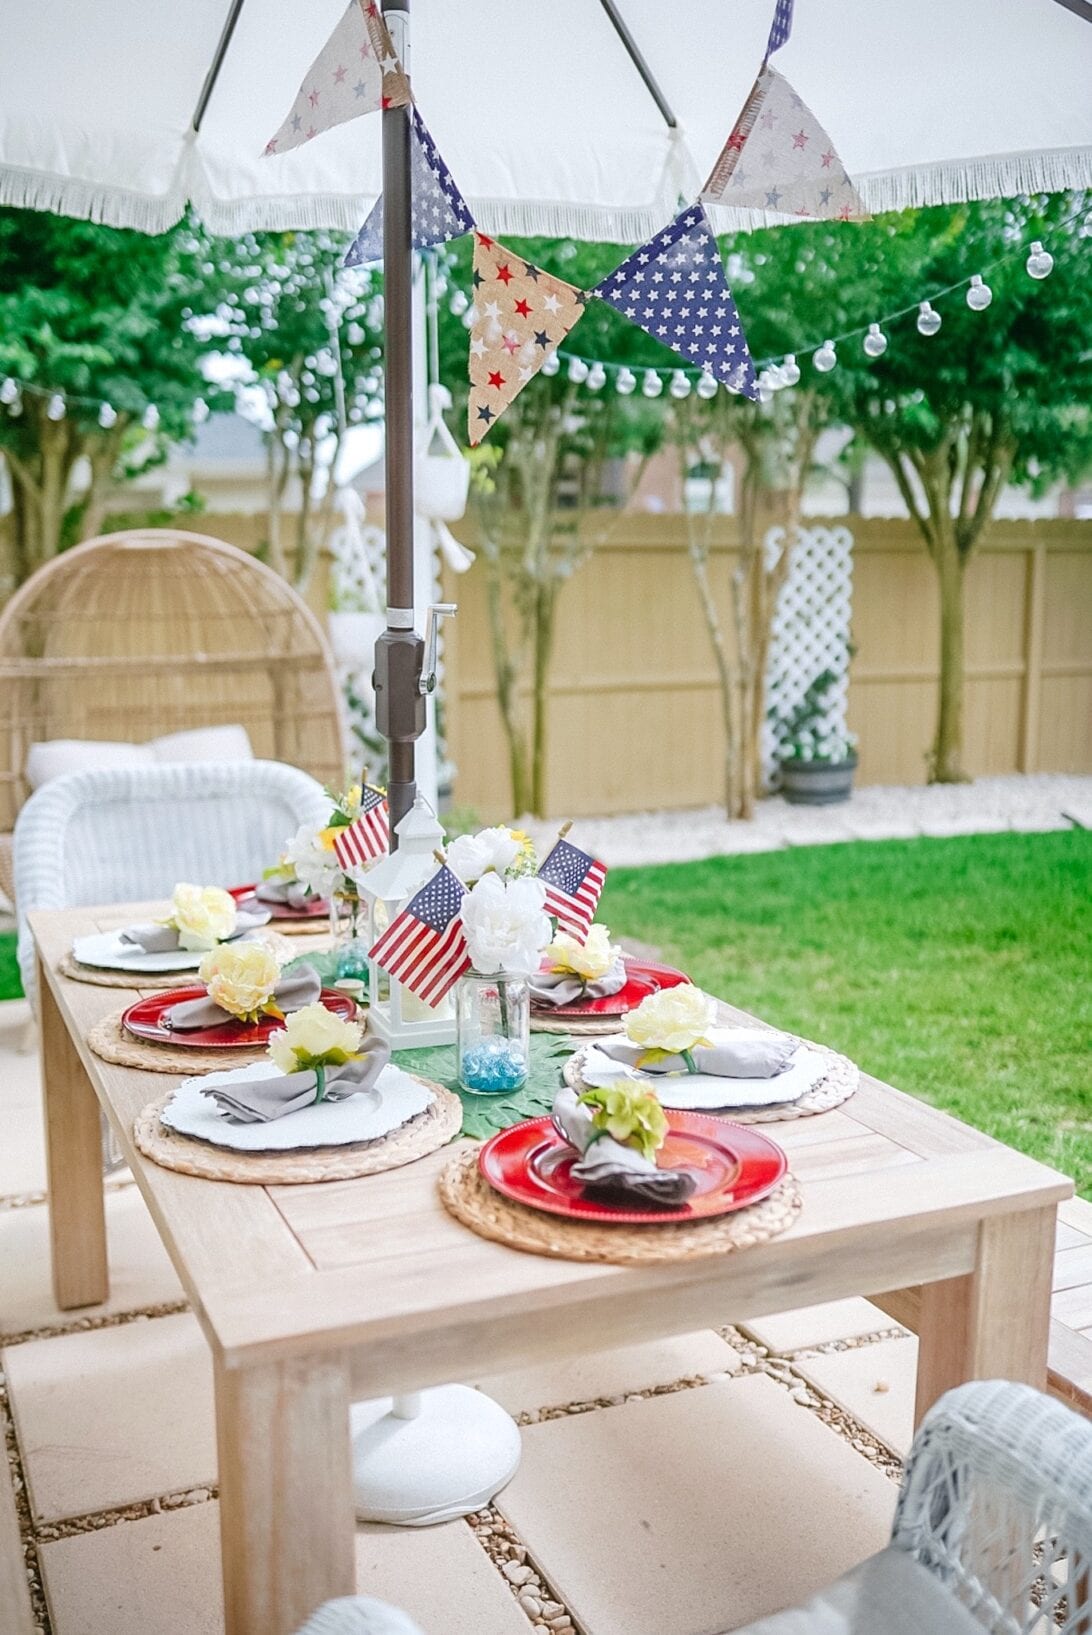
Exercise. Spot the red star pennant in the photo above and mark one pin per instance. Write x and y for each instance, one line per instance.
(356, 72)
(779, 158)
(522, 315)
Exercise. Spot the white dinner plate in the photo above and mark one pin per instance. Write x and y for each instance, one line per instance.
(703, 1091)
(395, 1098)
(106, 951)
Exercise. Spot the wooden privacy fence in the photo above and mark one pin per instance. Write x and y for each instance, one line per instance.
(634, 708)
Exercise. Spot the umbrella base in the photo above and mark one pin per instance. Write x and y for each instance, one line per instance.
(428, 1458)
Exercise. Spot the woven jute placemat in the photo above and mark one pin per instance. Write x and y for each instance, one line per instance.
(423, 1134)
(836, 1086)
(467, 1195)
(109, 1040)
(579, 1027)
(68, 965)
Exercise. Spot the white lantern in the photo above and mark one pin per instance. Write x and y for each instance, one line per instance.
(394, 1013)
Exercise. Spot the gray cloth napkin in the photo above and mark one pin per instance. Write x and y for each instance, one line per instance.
(562, 988)
(259, 1101)
(743, 1054)
(300, 987)
(290, 893)
(611, 1170)
(163, 939)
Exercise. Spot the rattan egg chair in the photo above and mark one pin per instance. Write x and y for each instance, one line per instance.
(153, 631)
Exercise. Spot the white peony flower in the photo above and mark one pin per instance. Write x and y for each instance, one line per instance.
(489, 851)
(202, 915)
(312, 1036)
(506, 929)
(310, 853)
(672, 1020)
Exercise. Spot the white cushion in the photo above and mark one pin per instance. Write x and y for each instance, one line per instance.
(204, 744)
(56, 756)
(889, 1594)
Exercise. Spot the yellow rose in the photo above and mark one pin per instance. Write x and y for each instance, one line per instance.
(590, 960)
(673, 1020)
(313, 1037)
(202, 916)
(325, 837)
(240, 977)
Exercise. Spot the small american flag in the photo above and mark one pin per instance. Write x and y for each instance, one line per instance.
(573, 882)
(368, 836)
(424, 947)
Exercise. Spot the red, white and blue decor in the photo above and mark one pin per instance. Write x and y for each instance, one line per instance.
(674, 287)
(779, 158)
(356, 72)
(368, 836)
(574, 883)
(522, 314)
(424, 947)
(439, 211)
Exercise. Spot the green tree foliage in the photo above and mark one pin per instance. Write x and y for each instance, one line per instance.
(995, 397)
(310, 335)
(105, 315)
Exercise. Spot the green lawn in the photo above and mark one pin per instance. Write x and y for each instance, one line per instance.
(956, 969)
(10, 985)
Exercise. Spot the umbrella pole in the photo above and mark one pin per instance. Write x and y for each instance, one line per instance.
(399, 652)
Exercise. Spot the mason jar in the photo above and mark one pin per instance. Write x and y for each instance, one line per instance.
(492, 1033)
(349, 928)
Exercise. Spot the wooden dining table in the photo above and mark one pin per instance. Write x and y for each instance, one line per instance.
(314, 1296)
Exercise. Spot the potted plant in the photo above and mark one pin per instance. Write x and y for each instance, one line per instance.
(816, 757)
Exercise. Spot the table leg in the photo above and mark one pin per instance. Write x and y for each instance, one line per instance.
(286, 1495)
(994, 1322)
(73, 1129)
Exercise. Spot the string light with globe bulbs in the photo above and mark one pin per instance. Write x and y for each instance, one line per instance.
(776, 374)
(60, 405)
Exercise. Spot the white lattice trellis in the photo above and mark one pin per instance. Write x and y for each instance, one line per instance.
(810, 631)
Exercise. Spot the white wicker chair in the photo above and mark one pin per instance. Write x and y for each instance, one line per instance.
(993, 1529)
(127, 834)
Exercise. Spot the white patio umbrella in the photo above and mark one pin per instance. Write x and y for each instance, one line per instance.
(537, 108)
(584, 117)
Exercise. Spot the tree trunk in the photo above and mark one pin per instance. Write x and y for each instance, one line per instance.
(727, 682)
(507, 694)
(545, 605)
(946, 760)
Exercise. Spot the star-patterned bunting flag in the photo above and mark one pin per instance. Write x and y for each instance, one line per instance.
(439, 209)
(781, 27)
(522, 316)
(780, 158)
(356, 72)
(674, 287)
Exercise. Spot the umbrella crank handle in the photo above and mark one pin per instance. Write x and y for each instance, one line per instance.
(426, 682)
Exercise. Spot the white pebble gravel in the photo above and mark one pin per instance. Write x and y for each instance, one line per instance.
(1028, 804)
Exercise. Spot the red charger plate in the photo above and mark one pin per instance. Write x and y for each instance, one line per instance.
(642, 978)
(735, 1164)
(143, 1021)
(281, 911)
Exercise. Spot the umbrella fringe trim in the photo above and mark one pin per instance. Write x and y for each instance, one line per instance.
(953, 181)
